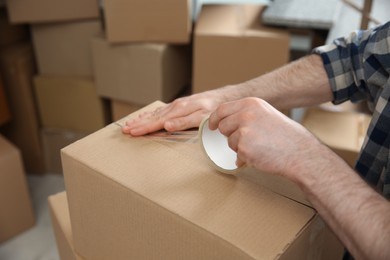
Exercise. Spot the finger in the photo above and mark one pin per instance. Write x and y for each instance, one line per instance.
(239, 163)
(228, 125)
(144, 129)
(223, 111)
(185, 122)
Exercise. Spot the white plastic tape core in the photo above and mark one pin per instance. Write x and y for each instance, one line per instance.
(217, 148)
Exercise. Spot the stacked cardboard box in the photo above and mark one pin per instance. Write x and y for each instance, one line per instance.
(38, 11)
(16, 213)
(158, 199)
(63, 49)
(17, 65)
(144, 53)
(343, 132)
(59, 212)
(140, 73)
(53, 140)
(66, 96)
(231, 46)
(148, 21)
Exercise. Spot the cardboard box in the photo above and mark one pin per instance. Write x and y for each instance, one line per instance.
(17, 66)
(16, 213)
(4, 110)
(59, 213)
(11, 33)
(159, 199)
(121, 109)
(37, 11)
(65, 48)
(53, 140)
(148, 21)
(343, 132)
(140, 73)
(69, 103)
(231, 46)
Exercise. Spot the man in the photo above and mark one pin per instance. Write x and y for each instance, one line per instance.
(353, 68)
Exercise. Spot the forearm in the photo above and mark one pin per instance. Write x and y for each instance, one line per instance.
(355, 212)
(301, 83)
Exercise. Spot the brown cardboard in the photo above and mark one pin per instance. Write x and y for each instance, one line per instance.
(121, 109)
(148, 21)
(4, 110)
(16, 213)
(344, 132)
(59, 213)
(36, 11)
(17, 67)
(140, 73)
(53, 140)
(64, 48)
(231, 46)
(69, 103)
(11, 33)
(159, 199)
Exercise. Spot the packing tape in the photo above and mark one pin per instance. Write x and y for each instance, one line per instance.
(215, 146)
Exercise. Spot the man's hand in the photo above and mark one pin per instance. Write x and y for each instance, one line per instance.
(263, 137)
(183, 113)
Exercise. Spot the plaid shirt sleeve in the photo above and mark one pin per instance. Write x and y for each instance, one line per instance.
(358, 66)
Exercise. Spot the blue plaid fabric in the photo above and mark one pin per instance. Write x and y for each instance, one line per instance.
(358, 68)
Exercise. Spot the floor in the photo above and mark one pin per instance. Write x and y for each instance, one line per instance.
(37, 243)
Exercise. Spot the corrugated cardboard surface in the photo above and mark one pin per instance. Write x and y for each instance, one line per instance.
(17, 67)
(159, 199)
(59, 213)
(344, 132)
(4, 110)
(230, 46)
(16, 214)
(53, 140)
(65, 48)
(140, 73)
(121, 109)
(34, 11)
(69, 103)
(166, 21)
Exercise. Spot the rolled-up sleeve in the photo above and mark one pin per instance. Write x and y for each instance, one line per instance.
(358, 66)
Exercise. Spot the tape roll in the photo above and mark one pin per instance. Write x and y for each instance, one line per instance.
(216, 147)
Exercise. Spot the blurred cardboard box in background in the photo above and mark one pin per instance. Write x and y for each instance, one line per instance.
(65, 48)
(148, 21)
(161, 199)
(11, 33)
(120, 109)
(16, 213)
(17, 66)
(343, 132)
(231, 46)
(53, 140)
(69, 103)
(38, 11)
(140, 73)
